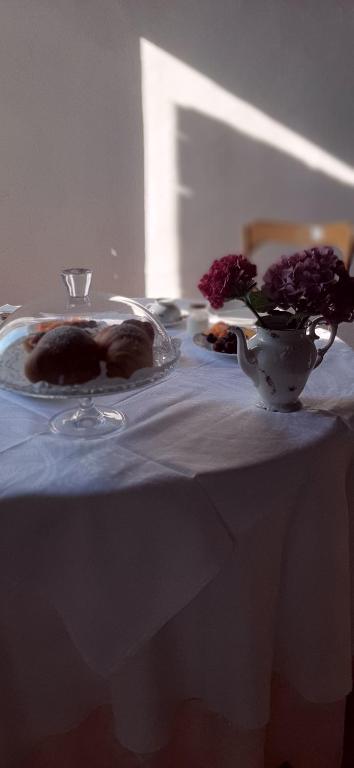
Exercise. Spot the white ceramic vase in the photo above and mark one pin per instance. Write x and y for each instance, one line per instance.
(279, 363)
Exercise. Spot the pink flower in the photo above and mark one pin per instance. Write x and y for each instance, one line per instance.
(230, 277)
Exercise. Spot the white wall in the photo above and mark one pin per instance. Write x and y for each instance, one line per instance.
(71, 155)
(71, 141)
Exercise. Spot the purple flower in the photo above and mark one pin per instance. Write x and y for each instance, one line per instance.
(230, 277)
(340, 302)
(309, 282)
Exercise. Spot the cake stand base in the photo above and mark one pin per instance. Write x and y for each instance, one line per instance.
(87, 420)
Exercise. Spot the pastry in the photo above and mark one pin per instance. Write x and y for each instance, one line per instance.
(105, 337)
(32, 340)
(218, 329)
(48, 325)
(64, 355)
(126, 348)
(145, 325)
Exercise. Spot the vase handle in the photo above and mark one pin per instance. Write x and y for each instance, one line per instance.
(312, 333)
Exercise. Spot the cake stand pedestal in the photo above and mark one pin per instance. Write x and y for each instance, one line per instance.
(88, 420)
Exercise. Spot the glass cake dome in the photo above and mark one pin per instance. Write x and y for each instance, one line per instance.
(79, 343)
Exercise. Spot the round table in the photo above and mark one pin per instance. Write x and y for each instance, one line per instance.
(192, 556)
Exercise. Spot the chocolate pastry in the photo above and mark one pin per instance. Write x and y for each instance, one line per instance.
(64, 355)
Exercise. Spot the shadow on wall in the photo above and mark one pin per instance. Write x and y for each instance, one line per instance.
(226, 179)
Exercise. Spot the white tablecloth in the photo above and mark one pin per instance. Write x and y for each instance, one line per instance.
(187, 556)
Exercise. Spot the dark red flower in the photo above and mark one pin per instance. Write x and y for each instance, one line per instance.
(230, 277)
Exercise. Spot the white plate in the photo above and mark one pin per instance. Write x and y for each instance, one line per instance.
(201, 341)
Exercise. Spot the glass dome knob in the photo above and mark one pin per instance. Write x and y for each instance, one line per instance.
(77, 281)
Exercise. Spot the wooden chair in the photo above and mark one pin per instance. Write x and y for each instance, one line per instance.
(339, 234)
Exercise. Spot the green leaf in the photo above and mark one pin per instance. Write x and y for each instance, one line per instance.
(259, 302)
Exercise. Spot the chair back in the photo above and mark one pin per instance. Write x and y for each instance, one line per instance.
(338, 234)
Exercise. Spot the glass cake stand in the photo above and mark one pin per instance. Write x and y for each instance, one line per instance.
(93, 311)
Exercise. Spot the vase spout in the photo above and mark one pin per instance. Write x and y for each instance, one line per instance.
(246, 357)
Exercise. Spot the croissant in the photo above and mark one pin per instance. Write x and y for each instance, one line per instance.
(126, 348)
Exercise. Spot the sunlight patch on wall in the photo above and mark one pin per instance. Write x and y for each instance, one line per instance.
(167, 84)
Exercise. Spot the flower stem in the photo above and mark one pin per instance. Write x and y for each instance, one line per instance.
(249, 305)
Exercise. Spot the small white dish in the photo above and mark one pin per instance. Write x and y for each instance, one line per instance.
(201, 341)
(167, 312)
(174, 323)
